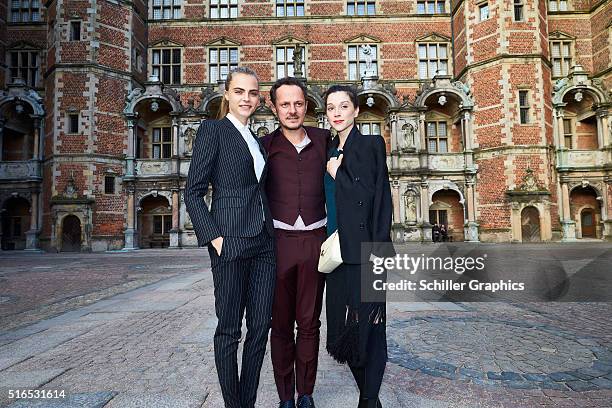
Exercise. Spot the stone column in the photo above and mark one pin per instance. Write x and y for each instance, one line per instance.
(471, 228)
(131, 147)
(426, 225)
(394, 136)
(466, 128)
(603, 133)
(422, 149)
(175, 143)
(174, 232)
(131, 233)
(567, 224)
(36, 152)
(32, 233)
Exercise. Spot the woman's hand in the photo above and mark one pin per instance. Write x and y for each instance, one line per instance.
(217, 243)
(332, 165)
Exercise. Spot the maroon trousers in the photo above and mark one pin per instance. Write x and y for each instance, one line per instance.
(298, 297)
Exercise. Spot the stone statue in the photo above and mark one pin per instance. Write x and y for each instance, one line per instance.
(298, 58)
(407, 139)
(369, 56)
(190, 134)
(410, 215)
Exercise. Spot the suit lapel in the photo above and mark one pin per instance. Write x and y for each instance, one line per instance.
(240, 143)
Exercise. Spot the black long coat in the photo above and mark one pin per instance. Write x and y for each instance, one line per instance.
(363, 197)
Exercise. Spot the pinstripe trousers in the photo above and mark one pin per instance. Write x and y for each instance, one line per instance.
(244, 276)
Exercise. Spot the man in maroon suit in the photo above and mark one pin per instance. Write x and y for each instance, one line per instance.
(296, 166)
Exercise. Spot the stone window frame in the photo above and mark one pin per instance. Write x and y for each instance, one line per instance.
(166, 220)
(481, 6)
(176, 10)
(368, 5)
(75, 30)
(110, 183)
(33, 13)
(286, 5)
(571, 134)
(562, 39)
(223, 5)
(162, 124)
(367, 118)
(518, 6)
(524, 107)
(288, 62)
(73, 122)
(229, 64)
(437, 138)
(160, 48)
(428, 60)
(358, 61)
(31, 70)
(425, 6)
(558, 4)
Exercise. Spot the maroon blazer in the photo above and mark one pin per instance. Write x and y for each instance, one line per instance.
(294, 185)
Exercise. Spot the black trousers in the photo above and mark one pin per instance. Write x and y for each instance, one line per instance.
(243, 276)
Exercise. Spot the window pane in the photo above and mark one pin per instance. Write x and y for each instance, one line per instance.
(422, 51)
(563, 5)
(166, 56)
(234, 55)
(176, 74)
(431, 129)
(371, 8)
(280, 71)
(280, 54)
(224, 12)
(300, 10)
(376, 129)
(352, 51)
(441, 7)
(421, 8)
(556, 49)
(423, 69)
(280, 11)
(352, 71)
(443, 148)
(433, 51)
(566, 49)
(213, 56)
(290, 11)
(552, 5)
(432, 145)
(360, 9)
(214, 13)
(224, 71)
(214, 74)
(156, 14)
(442, 129)
(567, 126)
(166, 74)
(442, 51)
(223, 55)
(167, 151)
(176, 56)
(350, 9)
(430, 8)
(233, 12)
(157, 224)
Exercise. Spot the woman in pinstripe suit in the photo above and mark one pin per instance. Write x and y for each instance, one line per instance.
(238, 231)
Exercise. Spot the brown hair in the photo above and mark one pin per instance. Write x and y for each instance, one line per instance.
(224, 107)
(287, 81)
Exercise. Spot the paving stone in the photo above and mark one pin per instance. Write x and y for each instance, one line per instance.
(149, 400)
(581, 385)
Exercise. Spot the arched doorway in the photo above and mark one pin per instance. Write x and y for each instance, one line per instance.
(446, 211)
(155, 222)
(585, 210)
(71, 234)
(15, 223)
(530, 224)
(587, 222)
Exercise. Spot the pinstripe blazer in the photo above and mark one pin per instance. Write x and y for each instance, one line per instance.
(222, 158)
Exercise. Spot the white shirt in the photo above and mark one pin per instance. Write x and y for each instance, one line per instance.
(299, 223)
(245, 131)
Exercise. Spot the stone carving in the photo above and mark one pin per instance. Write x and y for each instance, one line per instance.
(407, 139)
(189, 135)
(150, 168)
(368, 53)
(410, 214)
(298, 58)
(70, 191)
(530, 182)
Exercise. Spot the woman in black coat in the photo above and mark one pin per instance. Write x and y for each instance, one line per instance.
(359, 206)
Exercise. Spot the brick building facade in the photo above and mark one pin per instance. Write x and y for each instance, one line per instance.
(497, 114)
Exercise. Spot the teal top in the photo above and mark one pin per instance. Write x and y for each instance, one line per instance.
(330, 199)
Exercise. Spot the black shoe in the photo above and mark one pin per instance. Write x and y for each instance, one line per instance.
(369, 403)
(305, 401)
(287, 404)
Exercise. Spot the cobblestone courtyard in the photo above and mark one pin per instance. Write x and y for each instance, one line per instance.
(135, 330)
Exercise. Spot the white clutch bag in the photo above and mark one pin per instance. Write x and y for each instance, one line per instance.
(330, 257)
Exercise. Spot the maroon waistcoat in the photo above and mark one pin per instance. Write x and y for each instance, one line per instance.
(295, 181)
